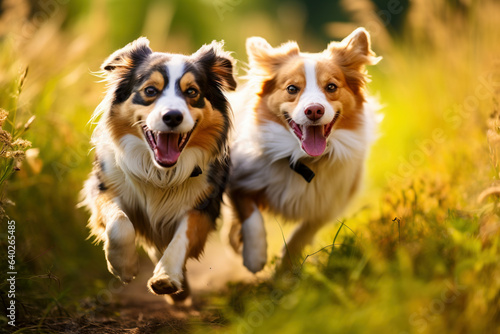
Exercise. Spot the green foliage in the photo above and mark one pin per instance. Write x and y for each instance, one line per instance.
(422, 256)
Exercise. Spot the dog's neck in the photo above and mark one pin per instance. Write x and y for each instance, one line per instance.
(301, 169)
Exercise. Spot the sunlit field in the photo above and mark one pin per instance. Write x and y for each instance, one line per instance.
(417, 252)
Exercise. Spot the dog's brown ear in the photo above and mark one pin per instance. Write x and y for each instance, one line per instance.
(130, 55)
(264, 59)
(352, 54)
(219, 64)
(355, 50)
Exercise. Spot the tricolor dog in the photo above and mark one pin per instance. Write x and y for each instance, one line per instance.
(161, 159)
(301, 147)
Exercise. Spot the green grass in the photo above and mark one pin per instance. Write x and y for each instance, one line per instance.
(417, 253)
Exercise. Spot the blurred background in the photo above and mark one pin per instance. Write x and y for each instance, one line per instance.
(426, 218)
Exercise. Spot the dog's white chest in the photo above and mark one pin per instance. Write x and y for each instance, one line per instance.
(322, 199)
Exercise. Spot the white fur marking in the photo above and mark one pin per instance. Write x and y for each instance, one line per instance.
(174, 257)
(119, 247)
(312, 94)
(170, 100)
(137, 159)
(254, 242)
(120, 230)
(260, 163)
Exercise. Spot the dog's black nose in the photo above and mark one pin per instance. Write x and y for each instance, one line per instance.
(173, 118)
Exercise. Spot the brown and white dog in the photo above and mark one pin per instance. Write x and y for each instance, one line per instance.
(301, 146)
(162, 159)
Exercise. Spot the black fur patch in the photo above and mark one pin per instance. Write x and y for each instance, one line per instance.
(199, 102)
(217, 176)
(138, 73)
(98, 170)
(127, 80)
(143, 74)
(211, 88)
(137, 99)
(100, 163)
(196, 172)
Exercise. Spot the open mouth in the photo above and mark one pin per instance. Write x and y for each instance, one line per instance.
(312, 137)
(166, 146)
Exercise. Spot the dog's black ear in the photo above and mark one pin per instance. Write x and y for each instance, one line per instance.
(129, 56)
(219, 64)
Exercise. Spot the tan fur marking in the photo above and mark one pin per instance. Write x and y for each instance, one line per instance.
(265, 60)
(126, 114)
(352, 54)
(199, 226)
(352, 104)
(273, 103)
(263, 114)
(188, 81)
(123, 117)
(156, 80)
(244, 202)
(209, 129)
(210, 121)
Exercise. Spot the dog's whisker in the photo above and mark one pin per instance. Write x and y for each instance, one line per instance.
(139, 122)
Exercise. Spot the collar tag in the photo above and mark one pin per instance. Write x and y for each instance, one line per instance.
(303, 170)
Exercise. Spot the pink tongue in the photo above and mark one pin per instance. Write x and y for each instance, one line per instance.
(167, 149)
(314, 141)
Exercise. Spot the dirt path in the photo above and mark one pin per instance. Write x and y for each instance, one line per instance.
(134, 310)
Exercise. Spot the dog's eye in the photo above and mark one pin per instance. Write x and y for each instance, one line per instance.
(150, 91)
(292, 89)
(331, 87)
(191, 92)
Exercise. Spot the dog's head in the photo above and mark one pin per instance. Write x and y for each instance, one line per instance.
(171, 101)
(312, 94)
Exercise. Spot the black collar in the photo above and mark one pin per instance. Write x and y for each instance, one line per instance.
(196, 171)
(302, 170)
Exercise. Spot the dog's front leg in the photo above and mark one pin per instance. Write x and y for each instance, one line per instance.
(188, 242)
(252, 233)
(119, 244)
(169, 271)
(302, 236)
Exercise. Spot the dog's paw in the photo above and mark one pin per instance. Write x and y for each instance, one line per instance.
(164, 285)
(185, 303)
(254, 251)
(123, 263)
(255, 255)
(254, 243)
